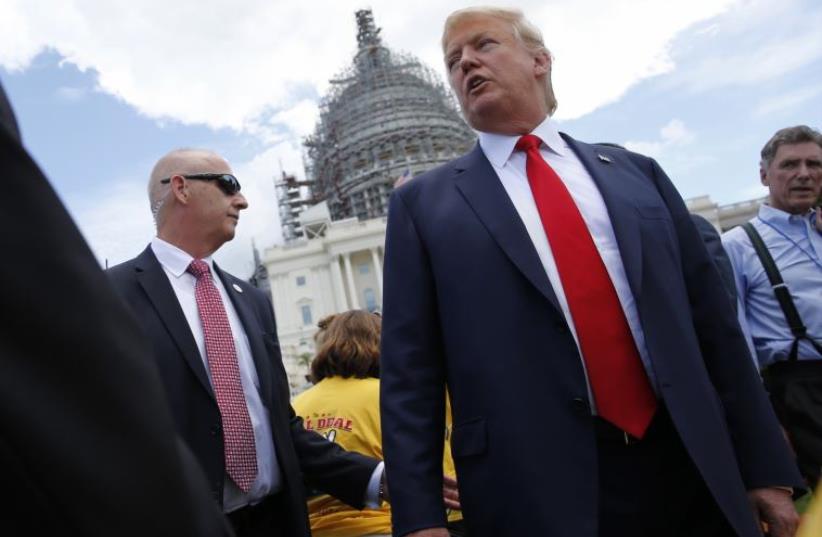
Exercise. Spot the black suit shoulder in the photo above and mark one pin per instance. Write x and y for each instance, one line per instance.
(122, 272)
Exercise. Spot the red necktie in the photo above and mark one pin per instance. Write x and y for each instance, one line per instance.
(238, 435)
(618, 380)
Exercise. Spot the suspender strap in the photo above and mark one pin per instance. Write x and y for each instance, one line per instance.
(780, 290)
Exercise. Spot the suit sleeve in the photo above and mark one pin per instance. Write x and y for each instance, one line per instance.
(710, 237)
(761, 450)
(412, 378)
(330, 468)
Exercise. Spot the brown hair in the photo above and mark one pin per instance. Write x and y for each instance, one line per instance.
(349, 347)
(322, 326)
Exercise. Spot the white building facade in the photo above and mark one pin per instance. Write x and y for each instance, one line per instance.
(338, 269)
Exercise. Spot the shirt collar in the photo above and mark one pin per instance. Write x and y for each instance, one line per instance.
(498, 147)
(173, 259)
(777, 216)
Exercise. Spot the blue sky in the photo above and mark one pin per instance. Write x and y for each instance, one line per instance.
(103, 88)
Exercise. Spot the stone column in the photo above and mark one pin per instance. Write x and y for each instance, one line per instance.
(339, 290)
(375, 258)
(349, 274)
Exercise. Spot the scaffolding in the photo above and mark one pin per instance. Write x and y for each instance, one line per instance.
(293, 196)
(385, 116)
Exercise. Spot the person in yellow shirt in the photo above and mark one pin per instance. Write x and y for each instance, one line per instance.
(811, 521)
(344, 406)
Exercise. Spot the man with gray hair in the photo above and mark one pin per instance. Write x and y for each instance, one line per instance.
(215, 342)
(599, 381)
(777, 260)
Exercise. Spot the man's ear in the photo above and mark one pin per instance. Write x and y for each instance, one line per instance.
(763, 175)
(542, 63)
(179, 188)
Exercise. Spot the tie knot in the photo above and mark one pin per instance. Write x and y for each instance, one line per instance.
(198, 268)
(528, 142)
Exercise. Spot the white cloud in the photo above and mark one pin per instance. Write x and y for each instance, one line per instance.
(70, 93)
(301, 117)
(673, 135)
(293, 123)
(225, 63)
(787, 101)
(219, 63)
(257, 66)
(786, 39)
(117, 224)
(603, 48)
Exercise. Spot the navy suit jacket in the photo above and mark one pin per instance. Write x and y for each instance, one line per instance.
(713, 243)
(468, 304)
(301, 454)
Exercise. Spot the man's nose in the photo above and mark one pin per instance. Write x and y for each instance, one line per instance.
(804, 172)
(240, 201)
(468, 60)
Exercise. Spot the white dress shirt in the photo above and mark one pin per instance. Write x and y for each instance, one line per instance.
(175, 262)
(510, 168)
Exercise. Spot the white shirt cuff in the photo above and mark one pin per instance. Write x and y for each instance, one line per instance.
(372, 492)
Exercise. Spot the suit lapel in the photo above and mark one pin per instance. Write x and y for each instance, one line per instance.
(483, 191)
(614, 185)
(153, 279)
(253, 330)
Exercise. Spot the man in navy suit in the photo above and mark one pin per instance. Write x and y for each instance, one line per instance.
(215, 342)
(599, 382)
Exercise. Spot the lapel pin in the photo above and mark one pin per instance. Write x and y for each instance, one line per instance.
(237, 287)
(603, 158)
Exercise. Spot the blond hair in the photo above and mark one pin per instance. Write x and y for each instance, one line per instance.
(522, 29)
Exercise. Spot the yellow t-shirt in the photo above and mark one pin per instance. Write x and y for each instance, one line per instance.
(811, 525)
(347, 411)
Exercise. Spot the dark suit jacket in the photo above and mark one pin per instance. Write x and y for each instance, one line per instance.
(467, 303)
(713, 243)
(301, 454)
(87, 444)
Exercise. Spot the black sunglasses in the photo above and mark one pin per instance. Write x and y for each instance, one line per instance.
(227, 182)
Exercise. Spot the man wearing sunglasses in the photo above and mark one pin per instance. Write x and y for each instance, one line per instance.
(214, 339)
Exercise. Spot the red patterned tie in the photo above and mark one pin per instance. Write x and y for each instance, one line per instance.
(618, 380)
(238, 435)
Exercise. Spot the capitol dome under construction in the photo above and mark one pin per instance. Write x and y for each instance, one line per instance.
(386, 116)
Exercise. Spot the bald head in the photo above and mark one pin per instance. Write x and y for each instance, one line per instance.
(177, 162)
